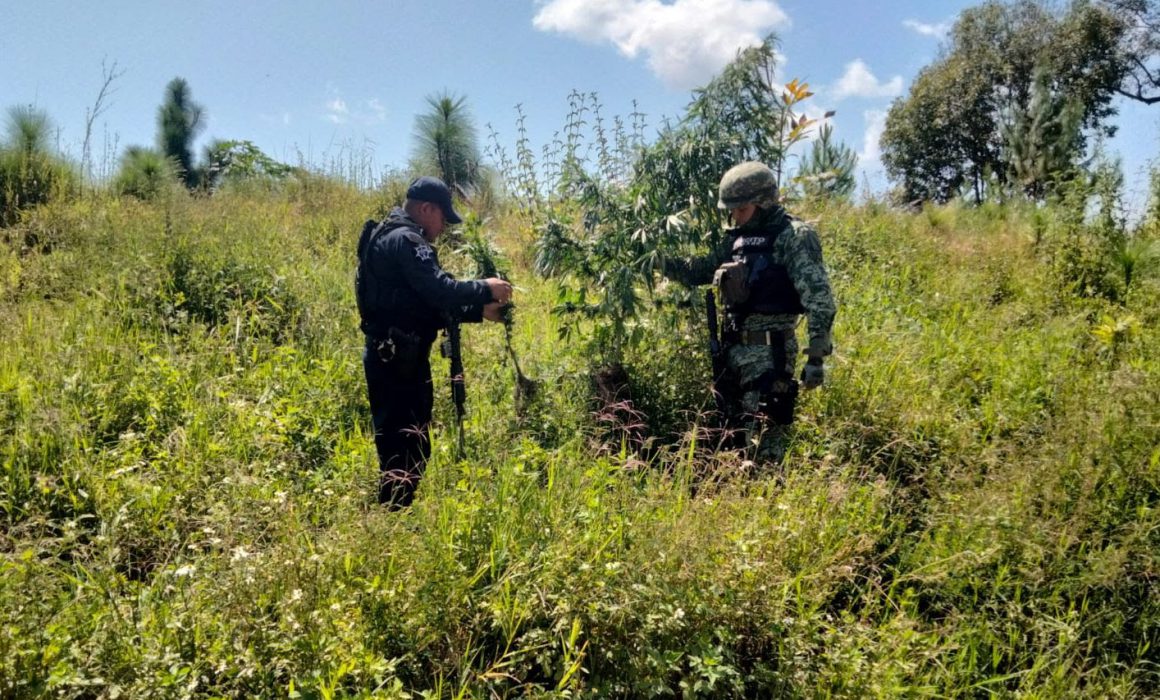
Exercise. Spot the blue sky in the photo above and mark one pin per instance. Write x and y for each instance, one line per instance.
(342, 81)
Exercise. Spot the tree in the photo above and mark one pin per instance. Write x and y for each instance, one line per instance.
(828, 169)
(947, 133)
(179, 120)
(227, 161)
(939, 138)
(1042, 140)
(1139, 47)
(445, 143)
(669, 206)
(742, 114)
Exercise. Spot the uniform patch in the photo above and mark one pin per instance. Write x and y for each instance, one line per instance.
(424, 252)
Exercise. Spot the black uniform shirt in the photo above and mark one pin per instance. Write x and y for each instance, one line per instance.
(406, 288)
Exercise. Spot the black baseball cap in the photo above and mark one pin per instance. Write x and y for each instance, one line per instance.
(434, 190)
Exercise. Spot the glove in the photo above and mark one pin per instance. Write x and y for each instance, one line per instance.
(813, 374)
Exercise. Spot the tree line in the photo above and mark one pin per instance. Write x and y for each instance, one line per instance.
(1018, 96)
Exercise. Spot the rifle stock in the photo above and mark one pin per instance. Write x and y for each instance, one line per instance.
(453, 351)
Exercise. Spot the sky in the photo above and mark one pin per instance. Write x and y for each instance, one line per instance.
(341, 82)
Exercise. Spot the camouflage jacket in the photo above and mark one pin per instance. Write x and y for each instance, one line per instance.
(799, 250)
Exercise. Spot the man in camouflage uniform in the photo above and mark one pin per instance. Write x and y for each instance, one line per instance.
(769, 272)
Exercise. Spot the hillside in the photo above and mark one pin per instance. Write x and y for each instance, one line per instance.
(970, 506)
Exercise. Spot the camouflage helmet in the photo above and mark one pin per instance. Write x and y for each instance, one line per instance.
(748, 183)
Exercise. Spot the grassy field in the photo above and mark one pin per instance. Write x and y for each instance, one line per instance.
(186, 496)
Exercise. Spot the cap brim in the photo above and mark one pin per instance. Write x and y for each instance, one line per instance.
(451, 216)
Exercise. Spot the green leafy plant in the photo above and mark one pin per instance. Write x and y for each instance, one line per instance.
(30, 174)
(145, 174)
(237, 161)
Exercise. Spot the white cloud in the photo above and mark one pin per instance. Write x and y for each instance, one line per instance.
(938, 31)
(858, 81)
(368, 112)
(378, 111)
(871, 152)
(685, 42)
(337, 111)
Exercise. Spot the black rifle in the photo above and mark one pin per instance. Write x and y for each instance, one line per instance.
(716, 354)
(453, 351)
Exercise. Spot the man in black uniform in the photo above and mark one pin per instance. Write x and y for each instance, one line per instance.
(404, 299)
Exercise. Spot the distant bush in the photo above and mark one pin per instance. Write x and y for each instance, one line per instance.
(29, 173)
(231, 162)
(144, 174)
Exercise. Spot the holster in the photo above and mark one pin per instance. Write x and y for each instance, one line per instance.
(780, 401)
(400, 349)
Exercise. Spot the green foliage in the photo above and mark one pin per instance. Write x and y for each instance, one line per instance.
(237, 161)
(740, 115)
(970, 506)
(1042, 140)
(445, 144)
(936, 140)
(945, 136)
(1139, 47)
(230, 295)
(145, 174)
(1152, 215)
(606, 240)
(179, 120)
(30, 174)
(828, 169)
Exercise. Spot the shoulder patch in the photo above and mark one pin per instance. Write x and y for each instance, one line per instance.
(423, 250)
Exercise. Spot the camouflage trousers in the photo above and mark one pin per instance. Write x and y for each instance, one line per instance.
(767, 395)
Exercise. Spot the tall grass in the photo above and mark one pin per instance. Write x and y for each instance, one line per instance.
(187, 484)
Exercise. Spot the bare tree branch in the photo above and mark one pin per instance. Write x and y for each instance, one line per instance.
(108, 74)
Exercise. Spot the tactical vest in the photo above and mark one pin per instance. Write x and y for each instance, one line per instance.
(362, 274)
(389, 303)
(771, 290)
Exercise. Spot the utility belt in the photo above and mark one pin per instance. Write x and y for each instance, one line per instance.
(778, 388)
(773, 338)
(399, 348)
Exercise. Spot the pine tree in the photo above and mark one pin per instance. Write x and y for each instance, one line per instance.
(828, 169)
(179, 120)
(1042, 139)
(445, 143)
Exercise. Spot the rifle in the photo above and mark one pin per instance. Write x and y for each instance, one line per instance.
(716, 354)
(452, 350)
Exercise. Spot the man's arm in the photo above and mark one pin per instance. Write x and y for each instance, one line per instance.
(420, 266)
(803, 260)
(698, 270)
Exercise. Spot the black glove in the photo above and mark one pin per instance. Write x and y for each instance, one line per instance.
(813, 373)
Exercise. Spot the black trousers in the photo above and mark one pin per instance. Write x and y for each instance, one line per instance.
(401, 400)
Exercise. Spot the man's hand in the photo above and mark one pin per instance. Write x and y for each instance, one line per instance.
(501, 290)
(813, 373)
(493, 311)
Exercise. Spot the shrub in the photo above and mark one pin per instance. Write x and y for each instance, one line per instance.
(144, 174)
(29, 174)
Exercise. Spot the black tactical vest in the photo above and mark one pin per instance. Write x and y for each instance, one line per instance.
(771, 291)
(362, 282)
